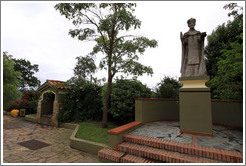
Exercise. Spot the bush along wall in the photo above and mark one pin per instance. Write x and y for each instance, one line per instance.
(29, 101)
(82, 103)
(122, 103)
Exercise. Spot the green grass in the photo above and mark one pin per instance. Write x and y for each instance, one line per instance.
(32, 115)
(92, 131)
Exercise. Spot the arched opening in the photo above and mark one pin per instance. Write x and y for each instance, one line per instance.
(47, 104)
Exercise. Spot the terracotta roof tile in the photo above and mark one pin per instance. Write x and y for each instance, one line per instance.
(58, 84)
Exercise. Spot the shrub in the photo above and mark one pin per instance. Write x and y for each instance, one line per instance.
(122, 103)
(29, 101)
(168, 88)
(82, 103)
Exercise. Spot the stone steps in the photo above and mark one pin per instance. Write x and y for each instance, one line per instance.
(139, 149)
(46, 121)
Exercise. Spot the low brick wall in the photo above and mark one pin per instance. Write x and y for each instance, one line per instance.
(116, 134)
(224, 112)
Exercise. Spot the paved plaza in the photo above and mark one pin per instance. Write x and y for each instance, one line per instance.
(223, 137)
(17, 131)
(57, 150)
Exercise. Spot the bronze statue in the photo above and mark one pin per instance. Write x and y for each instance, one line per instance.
(193, 63)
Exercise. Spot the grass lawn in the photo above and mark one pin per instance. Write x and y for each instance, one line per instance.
(32, 115)
(92, 131)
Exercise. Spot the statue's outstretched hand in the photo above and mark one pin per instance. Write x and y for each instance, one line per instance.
(181, 35)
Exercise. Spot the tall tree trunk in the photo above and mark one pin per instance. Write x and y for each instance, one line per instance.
(110, 77)
(106, 103)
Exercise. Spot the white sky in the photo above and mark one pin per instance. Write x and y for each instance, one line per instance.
(37, 32)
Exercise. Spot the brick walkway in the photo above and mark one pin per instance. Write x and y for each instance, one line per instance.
(16, 130)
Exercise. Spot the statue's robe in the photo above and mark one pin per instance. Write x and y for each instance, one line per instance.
(193, 63)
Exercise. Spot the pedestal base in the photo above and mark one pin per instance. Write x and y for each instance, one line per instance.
(195, 106)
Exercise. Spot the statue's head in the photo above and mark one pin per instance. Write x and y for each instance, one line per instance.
(191, 23)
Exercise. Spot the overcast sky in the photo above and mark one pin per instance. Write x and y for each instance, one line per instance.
(37, 32)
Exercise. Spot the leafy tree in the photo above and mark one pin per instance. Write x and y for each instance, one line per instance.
(122, 103)
(84, 68)
(83, 102)
(108, 25)
(219, 40)
(168, 88)
(234, 9)
(10, 81)
(228, 83)
(27, 80)
(224, 38)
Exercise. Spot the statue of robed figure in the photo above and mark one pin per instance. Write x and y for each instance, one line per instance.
(192, 64)
(195, 110)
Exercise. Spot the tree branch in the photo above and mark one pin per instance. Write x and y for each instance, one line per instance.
(98, 29)
(95, 14)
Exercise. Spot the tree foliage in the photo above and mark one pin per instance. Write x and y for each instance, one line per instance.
(10, 81)
(122, 103)
(27, 80)
(235, 9)
(81, 103)
(219, 40)
(85, 68)
(224, 57)
(108, 25)
(168, 88)
(228, 83)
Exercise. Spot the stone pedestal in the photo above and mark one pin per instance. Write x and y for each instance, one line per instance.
(195, 106)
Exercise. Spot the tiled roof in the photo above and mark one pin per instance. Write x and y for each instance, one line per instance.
(58, 84)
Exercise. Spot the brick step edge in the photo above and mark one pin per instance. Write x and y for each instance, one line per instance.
(120, 157)
(128, 158)
(161, 155)
(110, 154)
(201, 151)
